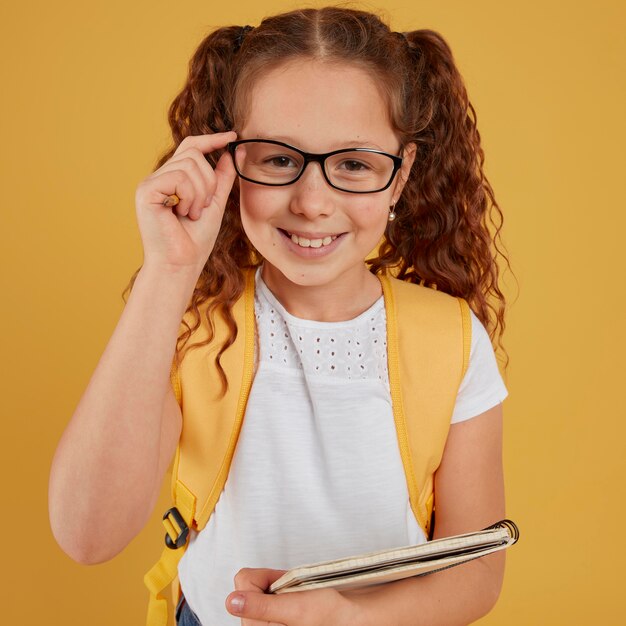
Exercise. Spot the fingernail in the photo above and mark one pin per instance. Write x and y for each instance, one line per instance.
(236, 603)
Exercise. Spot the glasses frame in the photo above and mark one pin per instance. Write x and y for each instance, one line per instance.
(310, 157)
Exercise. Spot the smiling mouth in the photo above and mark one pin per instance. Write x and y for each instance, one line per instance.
(305, 242)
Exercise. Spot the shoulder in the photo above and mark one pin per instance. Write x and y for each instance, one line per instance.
(427, 317)
(480, 336)
(482, 351)
(482, 386)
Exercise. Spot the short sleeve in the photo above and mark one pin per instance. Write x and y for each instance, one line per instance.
(482, 386)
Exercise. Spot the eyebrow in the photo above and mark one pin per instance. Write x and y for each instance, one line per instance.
(353, 143)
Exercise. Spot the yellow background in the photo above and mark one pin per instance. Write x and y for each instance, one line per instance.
(86, 88)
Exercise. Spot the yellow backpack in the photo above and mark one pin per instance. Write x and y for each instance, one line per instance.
(428, 346)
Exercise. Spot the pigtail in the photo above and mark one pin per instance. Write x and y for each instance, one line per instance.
(203, 106)
(441, 235)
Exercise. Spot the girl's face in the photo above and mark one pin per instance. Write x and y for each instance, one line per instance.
(318, 108)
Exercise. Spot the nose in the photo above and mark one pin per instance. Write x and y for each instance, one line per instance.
(312, 195)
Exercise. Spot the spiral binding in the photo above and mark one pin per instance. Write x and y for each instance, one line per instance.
(510, 525)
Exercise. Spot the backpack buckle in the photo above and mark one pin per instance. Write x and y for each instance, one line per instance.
(175, 537)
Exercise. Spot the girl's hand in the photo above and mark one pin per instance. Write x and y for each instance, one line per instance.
(317, 607)
(183, 236)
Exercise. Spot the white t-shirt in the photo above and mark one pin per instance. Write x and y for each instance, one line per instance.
(317, 472)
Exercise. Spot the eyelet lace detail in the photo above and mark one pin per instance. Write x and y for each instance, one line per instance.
(353, 349)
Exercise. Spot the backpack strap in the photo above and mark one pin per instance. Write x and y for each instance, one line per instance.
(211, 427)
(428, 345)
(166, 569)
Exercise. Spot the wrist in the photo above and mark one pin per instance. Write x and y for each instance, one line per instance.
(167, 285)
(187, 273)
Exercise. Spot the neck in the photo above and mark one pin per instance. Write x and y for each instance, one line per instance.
(343, 299)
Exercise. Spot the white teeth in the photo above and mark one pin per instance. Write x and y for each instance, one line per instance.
(301, 241)
(312, 243)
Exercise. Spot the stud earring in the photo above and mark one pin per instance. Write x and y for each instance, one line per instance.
(392, 213)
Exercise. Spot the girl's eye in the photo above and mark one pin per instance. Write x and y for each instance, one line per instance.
(355, 166)
(279, 161)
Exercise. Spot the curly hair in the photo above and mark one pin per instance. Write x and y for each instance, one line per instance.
(441, 236)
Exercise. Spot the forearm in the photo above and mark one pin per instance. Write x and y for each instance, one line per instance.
(457, 596)
(112, 443)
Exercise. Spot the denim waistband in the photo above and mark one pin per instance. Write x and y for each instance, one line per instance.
(184, 615)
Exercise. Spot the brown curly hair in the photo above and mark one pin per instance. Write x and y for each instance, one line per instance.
(441, 236)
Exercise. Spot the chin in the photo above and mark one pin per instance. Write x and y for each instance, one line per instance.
(305, 275)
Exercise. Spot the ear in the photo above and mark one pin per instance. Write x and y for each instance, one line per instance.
(408, 156)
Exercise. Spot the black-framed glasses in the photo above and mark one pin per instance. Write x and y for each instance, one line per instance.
(274, 163)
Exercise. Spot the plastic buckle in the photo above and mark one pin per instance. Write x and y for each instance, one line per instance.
(181, 539)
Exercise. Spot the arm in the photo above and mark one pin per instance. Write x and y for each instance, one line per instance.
(110, 461)
(112, 457)
(469, 489)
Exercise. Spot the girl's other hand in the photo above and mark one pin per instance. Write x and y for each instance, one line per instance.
(183, 236)
(316, 607)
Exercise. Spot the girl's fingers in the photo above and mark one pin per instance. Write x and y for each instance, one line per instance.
(180, 185)
(206, 143)
(202, 177)
(197, 185)
(189, 156)
(202, 192)
(225, 175)
(256, 578)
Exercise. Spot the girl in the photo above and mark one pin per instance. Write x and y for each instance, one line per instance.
(315, 156)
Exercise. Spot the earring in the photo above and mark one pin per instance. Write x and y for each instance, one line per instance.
(392, 213)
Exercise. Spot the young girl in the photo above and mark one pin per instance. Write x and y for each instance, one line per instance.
(318, 228)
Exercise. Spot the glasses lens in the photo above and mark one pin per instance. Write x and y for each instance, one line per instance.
(359, 171)
(267, 162)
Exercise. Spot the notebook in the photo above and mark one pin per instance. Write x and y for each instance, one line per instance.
(384, 566)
